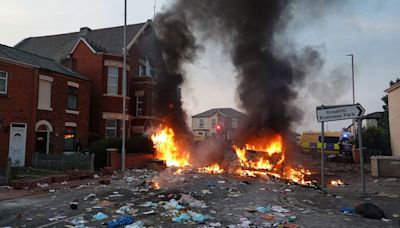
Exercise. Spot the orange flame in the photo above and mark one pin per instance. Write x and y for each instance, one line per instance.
(214, 168)
(167, 148)
(336, 182)
(269, 162)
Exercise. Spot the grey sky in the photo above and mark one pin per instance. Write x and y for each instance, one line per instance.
(368, 29)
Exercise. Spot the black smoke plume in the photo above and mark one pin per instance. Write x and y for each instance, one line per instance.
(177, 45)
(248, 31)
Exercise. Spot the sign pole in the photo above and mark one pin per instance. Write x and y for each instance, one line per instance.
(361, 156)
(323, 159)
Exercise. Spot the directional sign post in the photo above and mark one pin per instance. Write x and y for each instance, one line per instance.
(339, 112)
(334, 113)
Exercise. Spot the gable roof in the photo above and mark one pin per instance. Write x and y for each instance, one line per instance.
(16, 55)
(58, 47)
(374, 115)
(393, 87)
(227, 112)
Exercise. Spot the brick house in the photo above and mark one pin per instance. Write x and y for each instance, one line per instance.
(216, 122)
(98, 55)
(44, 106)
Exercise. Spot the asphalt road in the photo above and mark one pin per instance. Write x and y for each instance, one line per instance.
(230, 200)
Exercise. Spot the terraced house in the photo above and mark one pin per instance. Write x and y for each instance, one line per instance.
(98, 55)
(44, 107)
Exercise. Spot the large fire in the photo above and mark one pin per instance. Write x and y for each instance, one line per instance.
(266, 158)
(167, 148)
(258, 158)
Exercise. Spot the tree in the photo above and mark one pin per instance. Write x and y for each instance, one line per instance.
(377, 139)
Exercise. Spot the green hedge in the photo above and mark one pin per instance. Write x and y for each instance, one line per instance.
(135, 144)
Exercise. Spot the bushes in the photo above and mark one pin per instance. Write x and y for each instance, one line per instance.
(135, 144)
(139, 144)
(99, 149)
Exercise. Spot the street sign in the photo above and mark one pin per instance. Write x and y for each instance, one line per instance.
(339, 112)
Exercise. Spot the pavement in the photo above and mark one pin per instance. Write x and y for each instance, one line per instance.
(208, 200)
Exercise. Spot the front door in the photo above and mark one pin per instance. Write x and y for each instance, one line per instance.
(41, 142)
(17, 146)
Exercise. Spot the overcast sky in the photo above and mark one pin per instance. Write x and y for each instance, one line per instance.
(368, 29)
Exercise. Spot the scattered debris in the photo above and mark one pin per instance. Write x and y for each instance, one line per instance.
(347, 210)
(369, 210)
(78, 221)
(100, 216)
(384, 194)
(56, 218)
(137, 224)
(192, 202)
(74, 205)
(149, 212)
(89, 196)
(120, 221)
(45, 185)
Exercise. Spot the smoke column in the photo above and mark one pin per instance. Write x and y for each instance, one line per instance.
(247, 29)
(177, 45)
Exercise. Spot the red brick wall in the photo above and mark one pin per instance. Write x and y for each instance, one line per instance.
(20, 105)
(58, 116)
(91, 66)
(17, 106)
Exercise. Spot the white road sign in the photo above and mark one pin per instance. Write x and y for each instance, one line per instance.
(339, 112)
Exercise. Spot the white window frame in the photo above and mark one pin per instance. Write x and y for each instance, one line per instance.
(201, 123)
(234, 122)
(6, 82)
(112, 128)
(110, 85)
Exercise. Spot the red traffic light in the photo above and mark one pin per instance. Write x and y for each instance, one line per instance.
(218, 127)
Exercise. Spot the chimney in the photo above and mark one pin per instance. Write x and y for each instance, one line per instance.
(83, 31)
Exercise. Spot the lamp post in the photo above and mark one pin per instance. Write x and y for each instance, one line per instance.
(352, 80)
(124, 97)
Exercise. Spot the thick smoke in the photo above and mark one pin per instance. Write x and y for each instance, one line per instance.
(177, 45)
(267, 76)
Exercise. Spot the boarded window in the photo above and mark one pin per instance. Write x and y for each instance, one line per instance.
(44, 98)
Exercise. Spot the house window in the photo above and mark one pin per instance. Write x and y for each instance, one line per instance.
(3, 82)
(201, 123)
(213, 122)
(142, 70)
(145, 68)
(44, 98)
(234, 123)
(111, 128)
(139, 105)
(112, 80)
(72, 98)
(69, 138)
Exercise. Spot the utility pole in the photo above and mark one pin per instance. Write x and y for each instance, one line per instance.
(354, 98)
(124, 97)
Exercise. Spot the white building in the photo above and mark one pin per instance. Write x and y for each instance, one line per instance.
(217, 122)
(394, 117)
